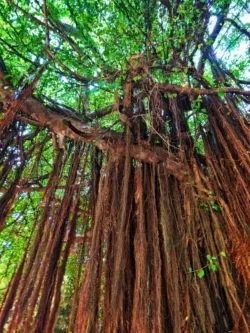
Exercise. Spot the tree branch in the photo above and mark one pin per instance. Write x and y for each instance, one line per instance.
(104, 139)
(171, 88)
(238, 27)
(27, 189)
(67, 69)
(11, 102)
(212, 37)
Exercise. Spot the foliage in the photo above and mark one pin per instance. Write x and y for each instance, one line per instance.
(212, 265)
(124, 141)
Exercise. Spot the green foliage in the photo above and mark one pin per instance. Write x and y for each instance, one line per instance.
(197, 118)
(212, 202)
(212, 265)
(95, 40)
(15, 237)
(221, 94)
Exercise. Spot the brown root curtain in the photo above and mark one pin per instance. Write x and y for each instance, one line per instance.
(152, 227)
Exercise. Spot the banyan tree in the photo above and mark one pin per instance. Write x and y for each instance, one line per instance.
(124, 166)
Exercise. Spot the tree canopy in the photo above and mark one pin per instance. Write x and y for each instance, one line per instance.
(124, 166)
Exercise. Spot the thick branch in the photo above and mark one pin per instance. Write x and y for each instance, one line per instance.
(104, 139)
(171, 88)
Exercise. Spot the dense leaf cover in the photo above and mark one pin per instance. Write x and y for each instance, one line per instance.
(124, 166)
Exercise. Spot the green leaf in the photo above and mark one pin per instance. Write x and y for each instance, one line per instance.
(204, 206)
(209, 257)
(120, 29)
(201, 273)
(190, 270)
(223, 253)
(221, 93)
(212, 267)
(210, 41)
